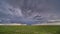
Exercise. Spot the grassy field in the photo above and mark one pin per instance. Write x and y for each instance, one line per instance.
(45, 29)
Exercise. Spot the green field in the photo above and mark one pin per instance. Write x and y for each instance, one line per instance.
(30, 29)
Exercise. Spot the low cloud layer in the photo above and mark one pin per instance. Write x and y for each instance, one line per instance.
(29, 11)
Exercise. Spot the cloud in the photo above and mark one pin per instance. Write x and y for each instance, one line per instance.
(26, 10)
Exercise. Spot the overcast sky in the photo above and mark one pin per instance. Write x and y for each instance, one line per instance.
(11, 10)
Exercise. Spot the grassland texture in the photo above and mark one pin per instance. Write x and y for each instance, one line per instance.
(46, 29)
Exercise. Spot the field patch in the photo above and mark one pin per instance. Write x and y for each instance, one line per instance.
(43, 29)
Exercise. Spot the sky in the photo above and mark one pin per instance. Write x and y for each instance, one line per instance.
(29, 11)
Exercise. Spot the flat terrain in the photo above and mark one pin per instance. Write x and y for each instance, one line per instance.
(42, 29)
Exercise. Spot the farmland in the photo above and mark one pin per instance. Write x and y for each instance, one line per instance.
(42, 29)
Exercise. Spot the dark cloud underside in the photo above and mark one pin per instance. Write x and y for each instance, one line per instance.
(29, 11)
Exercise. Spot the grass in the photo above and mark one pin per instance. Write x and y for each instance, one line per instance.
(47, 29)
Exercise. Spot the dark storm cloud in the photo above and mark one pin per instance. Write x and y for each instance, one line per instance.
(25, 10)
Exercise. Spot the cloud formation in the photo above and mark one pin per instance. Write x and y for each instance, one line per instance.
(25, 11)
